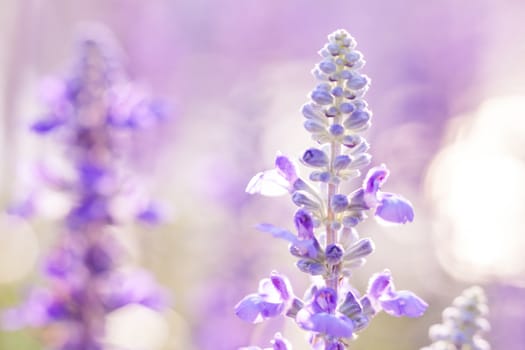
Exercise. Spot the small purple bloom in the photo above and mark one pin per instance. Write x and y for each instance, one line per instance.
(389, 207)
(334, 253)
(383, 296)
(271, 300)
(274, 182)
(315, 157)
(304, 224)
(395, 209)
(304, 244)
(320, 316)
(286, 168)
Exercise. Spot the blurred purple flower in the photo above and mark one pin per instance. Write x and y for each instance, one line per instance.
(85, 281)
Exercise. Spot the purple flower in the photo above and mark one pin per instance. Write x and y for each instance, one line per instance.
(274, 182)
(304, 244)
(272, 299)
(389, 207)
(384, 296)
(320, 315)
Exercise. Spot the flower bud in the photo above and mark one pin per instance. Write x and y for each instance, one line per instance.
(360, 249)
(311, 267)
(315, 157)
(337, 129)
(357, 81)
(322, 97)
(342, 161)
(327, 67)
(346, 107)
(314, 126)
(302, 200)
(357, 120)
(334, 254)
(339, 203)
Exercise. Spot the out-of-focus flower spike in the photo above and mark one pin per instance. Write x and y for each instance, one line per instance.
(464, 323)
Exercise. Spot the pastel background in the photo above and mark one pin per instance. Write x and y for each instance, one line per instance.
(448, 96)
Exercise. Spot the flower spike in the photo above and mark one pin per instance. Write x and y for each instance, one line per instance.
(327, 243)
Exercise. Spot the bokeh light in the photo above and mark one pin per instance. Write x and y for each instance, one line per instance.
(476, 184)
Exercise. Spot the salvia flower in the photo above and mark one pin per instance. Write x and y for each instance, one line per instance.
(327, 244)
(382, 294)
(273, 298)
(463, 323)
(95, 113)
(275, 182)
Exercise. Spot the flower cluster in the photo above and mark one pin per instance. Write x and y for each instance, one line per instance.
(326, 242)
(463, 324)
(94, 114)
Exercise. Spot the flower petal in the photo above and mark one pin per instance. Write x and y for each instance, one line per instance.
(254, 309)
(394, 209)
(268, 183)
(375, 178)
(304, 224)
(330, 324)
(325, 300)
(282, 285)
(280, 343)
(277, 232)
(404, 303)
(286, 168)
(379, 284)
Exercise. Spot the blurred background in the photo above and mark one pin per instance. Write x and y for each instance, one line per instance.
(448, 96)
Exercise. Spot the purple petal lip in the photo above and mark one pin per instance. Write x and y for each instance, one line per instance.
(253, 308)
(375, 178)
(304, 224)
(383, 296)
(286, 168)
(404, 303)
(271, 300)
(325, 323)
(395, 209)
